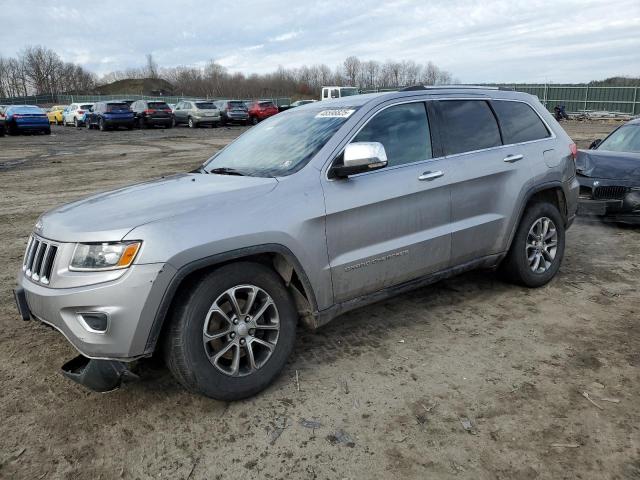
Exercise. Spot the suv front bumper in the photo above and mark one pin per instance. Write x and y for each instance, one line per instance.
(122, 300)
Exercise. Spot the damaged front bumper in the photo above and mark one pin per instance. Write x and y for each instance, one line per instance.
(610, 199)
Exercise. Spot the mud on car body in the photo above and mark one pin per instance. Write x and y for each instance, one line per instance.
(609, 176)
(311, 213)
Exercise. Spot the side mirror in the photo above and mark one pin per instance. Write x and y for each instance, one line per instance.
(595, 143)
(360, 157)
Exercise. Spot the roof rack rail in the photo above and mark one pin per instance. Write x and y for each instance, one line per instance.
(447, 87)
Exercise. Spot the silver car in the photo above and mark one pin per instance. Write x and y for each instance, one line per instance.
(314, 212)
(196, 113)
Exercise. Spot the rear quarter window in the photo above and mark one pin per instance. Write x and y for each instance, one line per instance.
(468, 125)
(519, 122)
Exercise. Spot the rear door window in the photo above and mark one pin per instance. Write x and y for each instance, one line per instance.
(468, 125)
(403, 130)
(519, 123)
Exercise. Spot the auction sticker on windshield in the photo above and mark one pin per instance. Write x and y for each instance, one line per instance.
(336, 113)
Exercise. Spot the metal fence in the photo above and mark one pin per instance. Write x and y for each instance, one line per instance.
(575, 98)
(585, 98)
(63, 99)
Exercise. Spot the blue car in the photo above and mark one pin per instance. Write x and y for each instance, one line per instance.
(106, 115)
(26, 118)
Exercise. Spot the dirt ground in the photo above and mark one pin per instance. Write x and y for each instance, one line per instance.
(391, 385)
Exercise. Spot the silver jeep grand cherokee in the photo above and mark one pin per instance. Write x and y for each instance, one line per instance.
(314, 212)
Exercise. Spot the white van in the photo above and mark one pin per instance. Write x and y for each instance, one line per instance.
(337, 92)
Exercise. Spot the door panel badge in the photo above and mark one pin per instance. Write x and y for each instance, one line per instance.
(375, 261)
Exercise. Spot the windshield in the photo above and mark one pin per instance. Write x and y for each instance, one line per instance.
(117, 107)
(205, 105)
(281, 145)
(625, 139)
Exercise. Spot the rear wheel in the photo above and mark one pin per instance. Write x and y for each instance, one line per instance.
(47, 131)
(101, 125)
(254, 120)
(87, 124)
(537, 248)
(191, 123)
(230, 334)
(75, 122)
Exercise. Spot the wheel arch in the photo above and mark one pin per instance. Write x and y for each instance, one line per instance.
(276, 256)
(552, 192)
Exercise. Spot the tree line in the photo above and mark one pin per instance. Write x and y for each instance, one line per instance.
(39, 70)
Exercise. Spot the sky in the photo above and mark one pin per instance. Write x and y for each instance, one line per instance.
(521, 41)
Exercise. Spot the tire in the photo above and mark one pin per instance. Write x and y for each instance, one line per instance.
(101, 126)
(47, 131)
(191, 123)
(2, 131)
(75, 122)
(517, 266)
(254, 120)
(87, 124)
(188, 356)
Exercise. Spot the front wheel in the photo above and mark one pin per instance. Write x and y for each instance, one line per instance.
(75, 122)
(231, 333)
(191, 123)
(537, 248)
(254, 120)
(101, 125)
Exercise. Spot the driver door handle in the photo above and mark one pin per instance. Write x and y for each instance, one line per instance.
(431, 175)
(513, 158)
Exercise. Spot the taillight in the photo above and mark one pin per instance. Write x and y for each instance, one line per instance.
(574, 150)
(81, 112)
(17, 115)
(149, 111)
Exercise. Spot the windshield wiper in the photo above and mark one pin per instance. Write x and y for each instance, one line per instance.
(226, 171)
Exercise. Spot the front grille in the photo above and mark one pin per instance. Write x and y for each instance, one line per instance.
(39, 259)
(611, 192)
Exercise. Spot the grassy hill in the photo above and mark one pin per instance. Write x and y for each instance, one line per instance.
(138, 86)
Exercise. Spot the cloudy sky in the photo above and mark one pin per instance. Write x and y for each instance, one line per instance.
(477, 41)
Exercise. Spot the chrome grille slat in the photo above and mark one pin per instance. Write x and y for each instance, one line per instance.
(47, 264)
(39, 259)
(32, 254)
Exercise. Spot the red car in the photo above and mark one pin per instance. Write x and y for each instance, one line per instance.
(260, 110)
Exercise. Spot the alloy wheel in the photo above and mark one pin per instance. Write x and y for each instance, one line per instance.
(542, 244)
(241, 330)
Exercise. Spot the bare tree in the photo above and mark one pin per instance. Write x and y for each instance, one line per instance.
(352, 69)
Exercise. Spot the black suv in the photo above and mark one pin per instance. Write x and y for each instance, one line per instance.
(106, 115)
(149, 113)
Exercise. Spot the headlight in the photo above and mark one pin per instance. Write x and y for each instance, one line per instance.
(103, 256)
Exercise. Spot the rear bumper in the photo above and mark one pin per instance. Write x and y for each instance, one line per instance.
(158, 121)
(118, 122)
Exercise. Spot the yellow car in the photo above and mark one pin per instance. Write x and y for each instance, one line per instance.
(55, 114)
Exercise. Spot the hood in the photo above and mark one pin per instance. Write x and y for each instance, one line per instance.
(612, 165)
(111, 215)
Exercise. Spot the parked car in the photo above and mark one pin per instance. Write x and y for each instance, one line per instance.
(75, 114)
(233, 111)
(129, 102)
(149, 113)
(2, 120)
(261, 109)
(107, 115)
(299, 103)
(609, 176)
(55, 114)
(196, 113)
(312, 213)
(26, 118)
